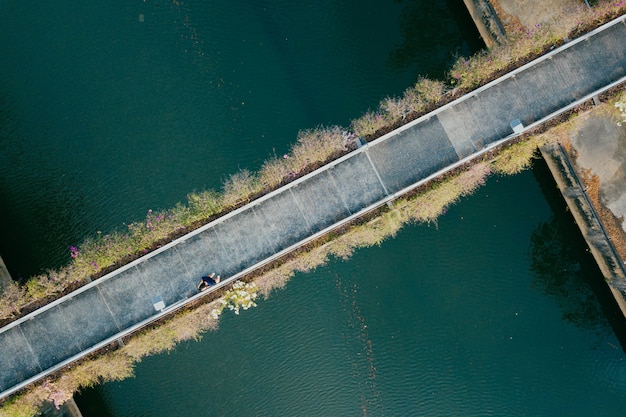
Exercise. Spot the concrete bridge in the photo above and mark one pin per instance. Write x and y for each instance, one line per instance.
(375, 174)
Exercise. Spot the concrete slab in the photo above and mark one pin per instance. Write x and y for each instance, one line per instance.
(127, 297)
(607, 48)
(166, 275)
(19, 362)
(50, 337)
(243, 247)
(510, 104)
(531, 13)
(89, 319)
(203, 254)
(544, 91)
(601, 147)
(357, 182)
(413, 154)
(575, 67)
(282, 221)
(461, 127)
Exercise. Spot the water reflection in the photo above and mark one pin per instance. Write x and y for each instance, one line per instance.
(424, 25)
(566, 270)
(559, 273)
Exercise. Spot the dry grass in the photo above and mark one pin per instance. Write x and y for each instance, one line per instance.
(417, 99)
(518, 156)
(239, 187)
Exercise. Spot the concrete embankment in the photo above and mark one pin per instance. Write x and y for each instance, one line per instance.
(601, 147)
(487, 21)
(588, 221)
(68, 409)
(497, 18)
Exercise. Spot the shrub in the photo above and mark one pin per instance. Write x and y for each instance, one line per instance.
(275, 170)
(239, 187)
(317, 145)
(518, 156)
(368, 124)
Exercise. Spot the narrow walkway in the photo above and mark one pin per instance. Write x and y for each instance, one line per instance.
(373, 175)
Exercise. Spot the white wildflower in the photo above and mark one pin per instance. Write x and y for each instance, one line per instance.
(621, 106)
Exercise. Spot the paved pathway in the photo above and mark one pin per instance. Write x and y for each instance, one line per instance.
(122, 301)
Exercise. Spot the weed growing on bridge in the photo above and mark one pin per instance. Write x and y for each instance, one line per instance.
(518, 156)
(420, 98)
(103, 253)
(190, 324)
(527, 43)
(240, 296)
(423, 207)
(114, 365)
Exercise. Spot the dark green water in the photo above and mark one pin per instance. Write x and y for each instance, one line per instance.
(498, 310)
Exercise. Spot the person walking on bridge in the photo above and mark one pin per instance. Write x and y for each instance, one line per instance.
(208, 281)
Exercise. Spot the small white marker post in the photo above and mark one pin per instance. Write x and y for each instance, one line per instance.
(158, 303)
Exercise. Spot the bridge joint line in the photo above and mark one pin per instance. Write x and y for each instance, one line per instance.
(343, 200)
(376, 172)
(182, 261)
(106, 304)
(298, 205)
(263, 231)
(219, 239)
(30, 348)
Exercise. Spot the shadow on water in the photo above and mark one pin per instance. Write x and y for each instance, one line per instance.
(425, 26)
(18, 227)
(91, 403)
(565, 269)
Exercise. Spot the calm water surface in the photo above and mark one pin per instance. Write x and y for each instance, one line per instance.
(108, 109)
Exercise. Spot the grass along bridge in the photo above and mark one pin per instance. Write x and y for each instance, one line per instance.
(157, 284)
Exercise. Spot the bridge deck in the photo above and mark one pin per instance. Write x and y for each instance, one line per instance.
(117, 304)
